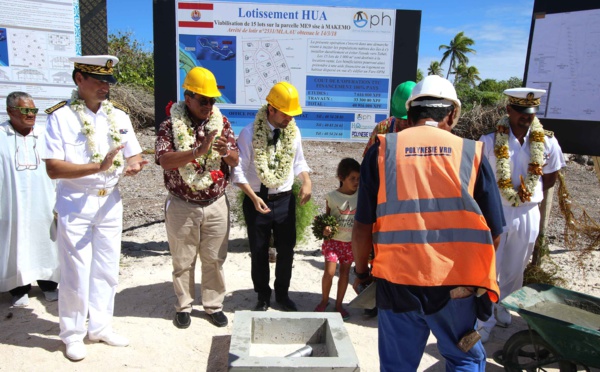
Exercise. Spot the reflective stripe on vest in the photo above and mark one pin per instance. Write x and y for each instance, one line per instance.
(429, 229)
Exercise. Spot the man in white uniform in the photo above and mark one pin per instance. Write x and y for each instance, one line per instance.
(90, 144)
(526, 160)
(27, 197)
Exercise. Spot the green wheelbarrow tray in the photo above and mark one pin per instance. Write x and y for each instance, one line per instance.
(568, 321)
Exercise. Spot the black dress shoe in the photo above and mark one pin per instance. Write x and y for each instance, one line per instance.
(261, 305)
(219, 319)
(182, 320)
(287, 304)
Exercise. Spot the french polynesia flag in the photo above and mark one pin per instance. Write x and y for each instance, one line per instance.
(198, 15)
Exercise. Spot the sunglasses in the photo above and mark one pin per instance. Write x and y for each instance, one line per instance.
(26, 110)
(203, 101)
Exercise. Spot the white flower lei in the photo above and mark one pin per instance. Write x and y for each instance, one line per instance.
(88, 130)
(273, 166)
(503, 171)
(184, 138)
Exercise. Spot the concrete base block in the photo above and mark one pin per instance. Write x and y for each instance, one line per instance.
(261, 340)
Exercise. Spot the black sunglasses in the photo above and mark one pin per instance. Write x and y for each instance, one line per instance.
(26, 110)
(203, 101)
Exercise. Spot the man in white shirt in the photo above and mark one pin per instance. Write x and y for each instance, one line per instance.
(270, 156)
(27, 252)
(525, 159)
(90, 144)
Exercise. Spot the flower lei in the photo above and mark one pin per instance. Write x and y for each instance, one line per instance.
(184, 138)
(272, 165)
(88, 130)
(534, 170)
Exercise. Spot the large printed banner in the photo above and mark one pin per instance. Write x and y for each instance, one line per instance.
(339, 59)
(36, 40)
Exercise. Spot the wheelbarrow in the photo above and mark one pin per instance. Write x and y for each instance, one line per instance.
(564, 330)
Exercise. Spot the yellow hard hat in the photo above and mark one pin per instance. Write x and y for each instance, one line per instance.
(284, 97)
(201, 81)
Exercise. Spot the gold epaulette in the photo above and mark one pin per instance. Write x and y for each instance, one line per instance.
(120, 106)
(55, 107)
(549, 133)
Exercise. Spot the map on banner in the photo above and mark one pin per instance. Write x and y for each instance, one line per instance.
(264, 66)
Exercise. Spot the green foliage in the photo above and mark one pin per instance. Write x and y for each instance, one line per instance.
(419, 75)
(321, 222)
(471, 96)
(305, 214)
(487, 93)
(136, 61)
(491, 85)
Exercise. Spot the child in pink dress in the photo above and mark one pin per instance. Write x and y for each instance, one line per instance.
(341, 204)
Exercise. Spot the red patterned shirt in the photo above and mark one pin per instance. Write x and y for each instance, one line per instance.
(173, 181)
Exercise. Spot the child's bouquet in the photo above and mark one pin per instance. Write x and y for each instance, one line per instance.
(320, 222)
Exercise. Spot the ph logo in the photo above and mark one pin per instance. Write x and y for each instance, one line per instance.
(361, 19)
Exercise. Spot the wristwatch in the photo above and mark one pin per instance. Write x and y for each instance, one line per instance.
(362, 276)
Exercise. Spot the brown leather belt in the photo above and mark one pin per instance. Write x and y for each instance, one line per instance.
(279, 195)
(202, 203)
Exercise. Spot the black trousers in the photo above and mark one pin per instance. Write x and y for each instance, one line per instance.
(45, 286)
(281, 221)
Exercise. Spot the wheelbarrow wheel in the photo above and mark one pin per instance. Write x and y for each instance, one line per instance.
(527, 351)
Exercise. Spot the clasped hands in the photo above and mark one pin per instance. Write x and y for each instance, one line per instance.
(134, 164)
(219, 145)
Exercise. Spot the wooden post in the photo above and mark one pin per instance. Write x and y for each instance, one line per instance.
(597, 166)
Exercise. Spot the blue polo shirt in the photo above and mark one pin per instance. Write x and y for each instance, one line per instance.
(402, 298)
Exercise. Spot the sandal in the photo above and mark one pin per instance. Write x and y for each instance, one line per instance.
(345, 315)
(320, 308)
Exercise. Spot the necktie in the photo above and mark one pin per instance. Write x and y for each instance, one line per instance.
(276, 133)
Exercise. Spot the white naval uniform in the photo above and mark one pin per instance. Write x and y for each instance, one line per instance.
(522, 222)
(89, 224)
(27, 197)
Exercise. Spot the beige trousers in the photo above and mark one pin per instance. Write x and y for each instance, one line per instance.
(194, 230)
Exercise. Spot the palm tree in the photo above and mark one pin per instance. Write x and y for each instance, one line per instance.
(457, 51)
(419, 75)
(435, 68)
(468, 75)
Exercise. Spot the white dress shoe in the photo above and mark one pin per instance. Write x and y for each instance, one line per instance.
(51, 296)
(20, 301)
(503, 317)
(485, 334)
(112, 339)
(76, 350)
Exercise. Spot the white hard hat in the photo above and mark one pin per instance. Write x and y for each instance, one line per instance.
(437, 87)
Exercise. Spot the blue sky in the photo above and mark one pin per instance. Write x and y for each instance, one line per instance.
(500, 28)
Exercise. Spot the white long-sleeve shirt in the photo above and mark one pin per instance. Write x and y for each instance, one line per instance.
(245, 172)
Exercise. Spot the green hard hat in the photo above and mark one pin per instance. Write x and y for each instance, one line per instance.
(399, 98)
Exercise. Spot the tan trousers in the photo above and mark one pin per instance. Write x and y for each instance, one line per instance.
(193, 230)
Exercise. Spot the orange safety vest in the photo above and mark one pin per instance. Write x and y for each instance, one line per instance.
(429, 230)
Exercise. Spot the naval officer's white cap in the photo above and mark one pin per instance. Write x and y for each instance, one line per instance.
(524, 100)
(99, 67)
